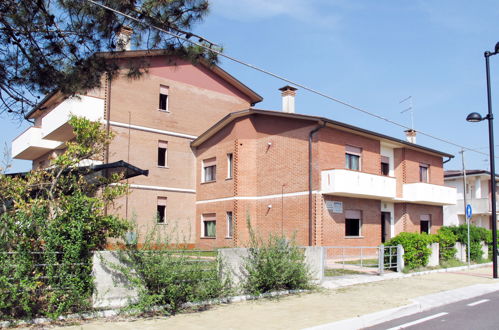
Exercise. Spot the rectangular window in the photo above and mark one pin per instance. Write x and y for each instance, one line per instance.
(353, 223)
(425, 223)
(352, 158)
(423, 172)
(209, 225)
(162, 153)
(229, 166)
(230, 231)
(209, 170)
(161, 210)
(385, 166)
(163, 98)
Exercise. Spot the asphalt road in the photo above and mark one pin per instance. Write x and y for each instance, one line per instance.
(477, 313)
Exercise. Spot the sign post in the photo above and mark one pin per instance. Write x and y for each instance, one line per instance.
(469, 214)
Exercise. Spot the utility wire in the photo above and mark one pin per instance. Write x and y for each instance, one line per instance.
(314, 91)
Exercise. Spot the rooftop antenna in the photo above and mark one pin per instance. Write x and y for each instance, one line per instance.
(410, 108)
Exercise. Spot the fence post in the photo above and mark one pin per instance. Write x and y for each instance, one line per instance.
(400, 258)
(381, 259)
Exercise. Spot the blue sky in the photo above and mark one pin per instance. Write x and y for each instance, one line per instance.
(371, 54)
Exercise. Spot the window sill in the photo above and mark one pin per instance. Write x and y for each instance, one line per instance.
(205, 182)
(226, 179)
(229, 237)
(353, 237)
(162, 166)
(165, 111)
(161, 223)
(208, 237)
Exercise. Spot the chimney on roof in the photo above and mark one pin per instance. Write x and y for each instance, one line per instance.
(410, 135)
(288, 98)
(123, 38)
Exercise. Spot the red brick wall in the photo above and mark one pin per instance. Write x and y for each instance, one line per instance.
(407, 217)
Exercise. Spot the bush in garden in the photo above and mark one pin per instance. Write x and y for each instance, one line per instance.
(416, 250)
(477, 235)
(447, 241)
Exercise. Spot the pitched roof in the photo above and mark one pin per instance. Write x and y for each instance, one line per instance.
(320, 121)
(251, 94)
(459, 173)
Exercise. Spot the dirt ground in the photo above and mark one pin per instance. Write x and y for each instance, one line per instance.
(309, 309)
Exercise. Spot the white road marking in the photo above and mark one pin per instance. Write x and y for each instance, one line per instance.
(424, 319)
(477, 302)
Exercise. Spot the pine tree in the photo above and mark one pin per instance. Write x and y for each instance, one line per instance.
(49, 45)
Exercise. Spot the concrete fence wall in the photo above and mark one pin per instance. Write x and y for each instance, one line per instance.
(434, 259)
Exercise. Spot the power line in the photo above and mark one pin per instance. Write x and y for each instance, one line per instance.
(314, 91)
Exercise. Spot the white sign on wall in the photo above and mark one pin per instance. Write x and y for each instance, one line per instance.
(334, 206)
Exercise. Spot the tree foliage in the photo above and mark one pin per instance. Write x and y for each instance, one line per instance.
(51, 220)
(54, 44)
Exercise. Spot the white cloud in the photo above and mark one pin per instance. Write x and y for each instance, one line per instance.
(320, 12)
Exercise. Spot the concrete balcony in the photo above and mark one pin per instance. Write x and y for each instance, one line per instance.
(425, 193)
(55, 124)
(358, 184)
(478, 205)
(30, 145)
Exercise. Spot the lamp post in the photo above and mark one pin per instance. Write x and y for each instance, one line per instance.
(476, 117)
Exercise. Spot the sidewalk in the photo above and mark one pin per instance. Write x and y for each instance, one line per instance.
(319, 308)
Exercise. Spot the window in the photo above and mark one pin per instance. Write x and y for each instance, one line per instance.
(229, 166)
(209, 170)
(209, 225)
(161, 210)
(353, 223)
(423, 172)
(163, 98)
(230, 231)
(352, 158)
(385, 166)
(425, 223)
(162, 153)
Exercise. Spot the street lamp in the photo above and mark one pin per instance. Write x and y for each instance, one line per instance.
(476, 117)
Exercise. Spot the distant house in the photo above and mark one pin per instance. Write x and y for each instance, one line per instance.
(477, 195)
(363, 188)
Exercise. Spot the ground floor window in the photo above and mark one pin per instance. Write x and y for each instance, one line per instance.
(209, 225)
(161, 210)
(425, 223)
(353, 223)
(230, 230)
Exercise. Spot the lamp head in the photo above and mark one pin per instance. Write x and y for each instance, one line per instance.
(496, 48)
(474, 117)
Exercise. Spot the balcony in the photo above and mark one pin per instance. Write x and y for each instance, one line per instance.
(358, 184)
(30, 145)
(55, 124)
(425, 193)
(478, 205)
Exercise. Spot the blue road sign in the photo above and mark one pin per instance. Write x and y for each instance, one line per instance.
(469, 211)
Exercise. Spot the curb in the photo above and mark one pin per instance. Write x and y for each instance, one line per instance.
(420, 304)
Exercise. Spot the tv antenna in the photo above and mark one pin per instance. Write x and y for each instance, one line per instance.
(410, 108)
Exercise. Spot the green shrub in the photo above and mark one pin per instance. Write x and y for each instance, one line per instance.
(416, 250)
(276, 264)
(447, 241)
(477, 235)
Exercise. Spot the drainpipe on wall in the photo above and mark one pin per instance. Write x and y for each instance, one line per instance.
(310, 137)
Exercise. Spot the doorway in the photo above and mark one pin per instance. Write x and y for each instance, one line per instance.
(385, 226)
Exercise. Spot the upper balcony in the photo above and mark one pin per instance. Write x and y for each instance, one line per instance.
(357, 184)
(425, 193)
(55, 124)
(478, 205)
(30, 145)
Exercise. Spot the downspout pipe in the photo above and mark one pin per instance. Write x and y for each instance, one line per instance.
(310, 222)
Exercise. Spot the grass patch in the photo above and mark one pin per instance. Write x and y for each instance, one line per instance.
(365, 262)
(341, 272)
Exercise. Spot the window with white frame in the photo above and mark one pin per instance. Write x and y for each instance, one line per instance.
(423, 172)
(163, 98)
(385, 166)
(209, 170)
(162, 153)
(230, 159)
(352, 157)
(425, 223)
(209, 225)
(353, 223)
(230, 224)
(161, 210)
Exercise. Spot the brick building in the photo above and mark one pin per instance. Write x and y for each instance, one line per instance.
(154, 119)
(326, 182)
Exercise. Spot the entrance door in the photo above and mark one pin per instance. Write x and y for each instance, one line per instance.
(385, 226)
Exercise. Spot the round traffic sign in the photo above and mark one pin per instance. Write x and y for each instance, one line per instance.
(469, 211)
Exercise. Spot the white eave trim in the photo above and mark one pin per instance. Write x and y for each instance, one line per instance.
(152, 130)
(159, 188)
(301, 193)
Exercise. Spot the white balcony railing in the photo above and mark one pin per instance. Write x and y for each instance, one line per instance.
(55, 124)
(357, 184)
(426, 193)
(30, 145)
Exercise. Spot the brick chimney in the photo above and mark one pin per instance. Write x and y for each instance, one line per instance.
(123, 38)
(410, 135)
(288, 98)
